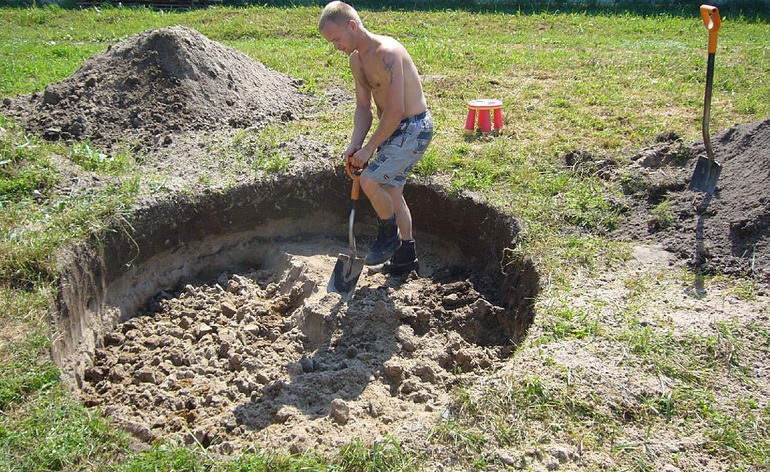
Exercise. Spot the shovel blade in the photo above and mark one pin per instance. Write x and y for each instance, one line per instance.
(345, 275)
(705, 177)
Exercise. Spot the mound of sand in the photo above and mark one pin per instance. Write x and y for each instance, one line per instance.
(728, 232)
(155, 84)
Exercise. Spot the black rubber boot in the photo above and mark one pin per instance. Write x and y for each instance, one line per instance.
(404, 260)
(386, 243)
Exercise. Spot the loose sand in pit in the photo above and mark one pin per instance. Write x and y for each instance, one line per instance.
(268, 359)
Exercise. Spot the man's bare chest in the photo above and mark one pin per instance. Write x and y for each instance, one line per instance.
(365, 73)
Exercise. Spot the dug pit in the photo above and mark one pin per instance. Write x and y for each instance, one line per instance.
(207, 320)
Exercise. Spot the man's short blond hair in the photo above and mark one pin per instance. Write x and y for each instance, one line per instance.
(339, 13)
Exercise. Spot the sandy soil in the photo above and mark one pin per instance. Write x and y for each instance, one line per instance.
(602, 372)
(271, 358)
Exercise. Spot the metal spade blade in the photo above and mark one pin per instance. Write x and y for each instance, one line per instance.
(345, 275)
(348, 267)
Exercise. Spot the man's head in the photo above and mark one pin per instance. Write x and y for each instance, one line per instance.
(339, 13)
(339, 24)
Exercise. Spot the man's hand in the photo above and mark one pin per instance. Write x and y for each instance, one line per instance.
(352, 148)
(361, 157)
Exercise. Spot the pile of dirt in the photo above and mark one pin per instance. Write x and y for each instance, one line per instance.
(728, 232)
(154, 85)
(269, 358)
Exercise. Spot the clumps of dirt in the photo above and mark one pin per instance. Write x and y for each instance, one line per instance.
(728, 232)
(154, 85)
(267, 359)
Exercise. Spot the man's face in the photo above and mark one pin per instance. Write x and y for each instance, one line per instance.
(341, 36)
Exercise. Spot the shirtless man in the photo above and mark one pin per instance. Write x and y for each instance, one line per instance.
(383, 71)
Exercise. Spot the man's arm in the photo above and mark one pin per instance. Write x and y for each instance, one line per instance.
(391, 73)
(362, 119)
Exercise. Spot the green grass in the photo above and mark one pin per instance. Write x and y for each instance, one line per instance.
(518, 411)
(261, 151)
(89, 157)
(661, 215)
(574, 405)
(25, 169)
(355, 456)
(50, 432)
(36, 219)
(599, 80)
(566, 321)
(26, 372)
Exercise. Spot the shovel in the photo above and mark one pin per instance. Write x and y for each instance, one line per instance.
(348, 267)
(707, 170)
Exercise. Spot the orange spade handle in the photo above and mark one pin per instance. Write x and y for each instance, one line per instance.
(712, 21)
(356, 190)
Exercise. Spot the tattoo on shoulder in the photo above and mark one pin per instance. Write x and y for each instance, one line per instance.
(389, 66)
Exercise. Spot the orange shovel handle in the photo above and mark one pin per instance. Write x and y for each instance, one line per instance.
(356, 176)
(712, 21)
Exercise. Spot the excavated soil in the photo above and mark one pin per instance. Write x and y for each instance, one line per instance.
(728, 232)
(155, 85)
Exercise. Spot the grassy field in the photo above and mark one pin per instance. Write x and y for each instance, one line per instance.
(601, 80)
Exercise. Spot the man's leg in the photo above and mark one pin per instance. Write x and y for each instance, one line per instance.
(380, 198)
(389, 200)
(383, 182)
(401, 209)
(405, 257)
(388, 239)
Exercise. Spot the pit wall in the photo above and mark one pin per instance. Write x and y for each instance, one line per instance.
(107, 279)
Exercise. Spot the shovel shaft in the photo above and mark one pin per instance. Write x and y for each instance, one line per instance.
(707, 171)
(348, 269)
(707, 108)
(712, 21)
(351, 236)
(355, 192)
